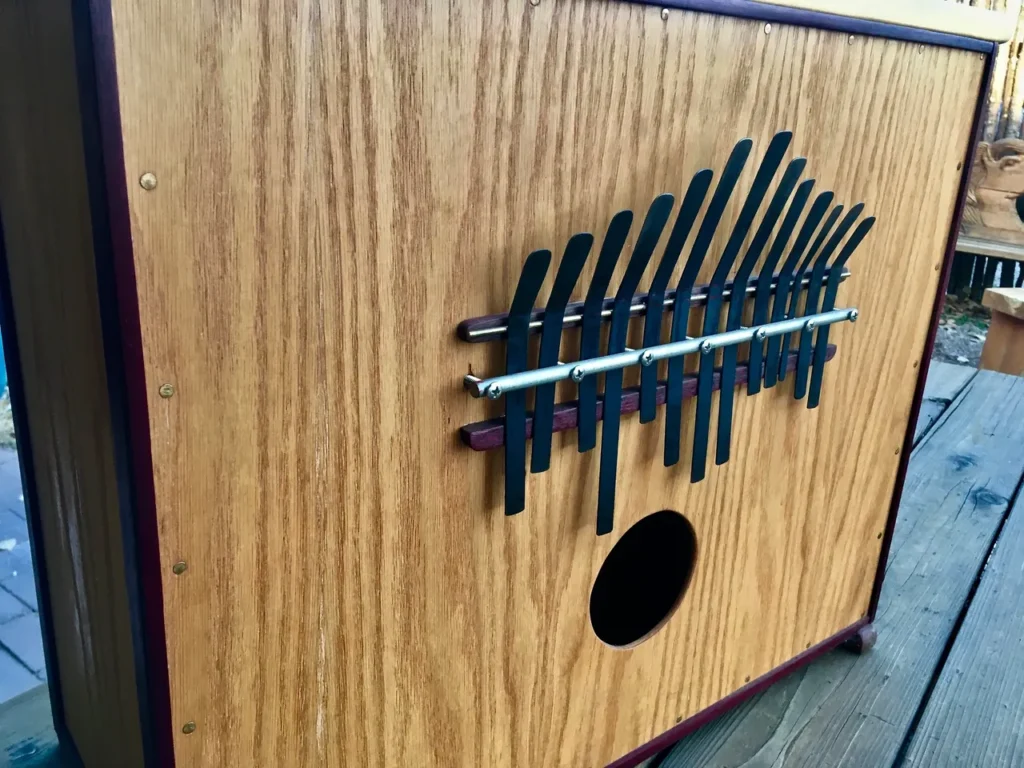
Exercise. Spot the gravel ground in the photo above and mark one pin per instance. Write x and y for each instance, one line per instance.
(962, 331)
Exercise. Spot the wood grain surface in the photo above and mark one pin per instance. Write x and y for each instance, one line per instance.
(48, 239)
(944, 383)
(340, 185)
(847, 710)
(973, 715)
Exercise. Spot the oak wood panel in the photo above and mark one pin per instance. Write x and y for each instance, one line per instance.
(48, 239)
(974, 712)
(339, 186)
(848, 710)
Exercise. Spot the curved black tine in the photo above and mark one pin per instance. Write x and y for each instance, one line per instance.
(803, 359)
(829, 303)
(785, 283)
(590, 336)
(692, 202)
(712, 309)
(764, 282)
(646, 242)
(737, 301)
(518, 323)
(576, 252)
(681, 312)
(794, 297)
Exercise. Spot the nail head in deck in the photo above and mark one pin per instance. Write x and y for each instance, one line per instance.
(147, 181)
(534, 3)
(767, 29)
(664, 14)
(188, 727)
(850, 41)
(166, 390)
(179, 568)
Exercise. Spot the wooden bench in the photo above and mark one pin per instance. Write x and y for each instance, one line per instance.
(1004, 346)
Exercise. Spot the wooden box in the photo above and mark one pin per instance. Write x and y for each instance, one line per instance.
(239, 241)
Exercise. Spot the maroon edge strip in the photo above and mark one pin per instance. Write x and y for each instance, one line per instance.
(720, 707)
(490, 434)
(123, 349)
(926, 355)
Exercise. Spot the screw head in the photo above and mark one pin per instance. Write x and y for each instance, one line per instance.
(189, 727)
(646, 358)
(166, 390)
(664, 14)
(179, 568)
(534, 3)
(577, 374)
(494, 391)
(147, 181)
(706, 347)
(854, 314)
(810, 325)
(767, 29)
(760, 334)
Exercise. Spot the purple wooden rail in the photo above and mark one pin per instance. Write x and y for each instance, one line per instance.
(490, 434)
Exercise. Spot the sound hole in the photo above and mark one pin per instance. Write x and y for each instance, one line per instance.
(643, 579)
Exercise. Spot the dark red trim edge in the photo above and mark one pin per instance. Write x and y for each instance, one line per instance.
(490, 434)
(126, 377)
(797, 17)
(929, 345)
(720, 707)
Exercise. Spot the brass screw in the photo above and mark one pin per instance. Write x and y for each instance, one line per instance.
(166, 390)
(179, 568)
(767, 29)
(915, 363)
(807, 646)
(959, 166)
(664, 14)
(746, 679)
(188, 727)
(879, 536)
(148, 181)
(897, 451)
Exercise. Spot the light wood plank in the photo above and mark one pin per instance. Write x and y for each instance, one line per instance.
(974, 713)
(944, 383)
(1004, 345)
(845, 710)
(339, 185)
(937, 15)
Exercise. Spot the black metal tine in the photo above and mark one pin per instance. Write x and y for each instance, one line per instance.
(646, 242)
(779, 363)
(764, 282)
(590, 334)
(713, 307)
(692, 202)
(681, 311)
(516, 360)
(576, 252)
(829, 303)
(821, 204)
(803, 359)
(737, 300)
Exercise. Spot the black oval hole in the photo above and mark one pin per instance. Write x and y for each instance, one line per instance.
(643, 579)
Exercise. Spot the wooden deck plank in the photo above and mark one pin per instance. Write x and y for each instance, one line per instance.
(27, 739)
(945, 382)
(974, 713)
(856, 711)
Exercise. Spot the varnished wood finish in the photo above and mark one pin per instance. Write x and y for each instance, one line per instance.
(49, 246)
(339, 186)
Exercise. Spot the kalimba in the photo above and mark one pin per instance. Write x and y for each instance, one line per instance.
(437, 384)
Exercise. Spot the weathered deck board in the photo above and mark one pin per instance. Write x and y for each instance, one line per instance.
(945, 381)
(27, 739)
(856, 711)
(974, 712)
